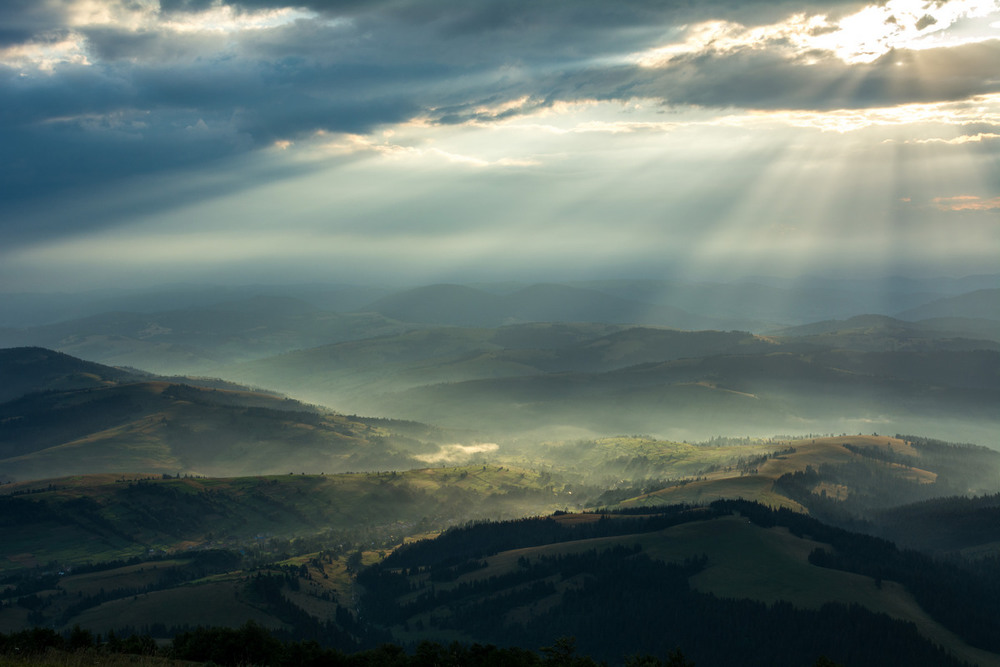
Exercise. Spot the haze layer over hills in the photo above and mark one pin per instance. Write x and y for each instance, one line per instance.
(608, 357)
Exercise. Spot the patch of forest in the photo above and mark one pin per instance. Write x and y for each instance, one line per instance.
(617, 599)
(251, 644)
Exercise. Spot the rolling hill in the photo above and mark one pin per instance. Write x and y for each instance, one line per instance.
(156, 554)
(355, 375)
(944, 394)
(984, 303)
(763, 303)
(879, 332)
(34, 369)
(868, 373)
(843, 478)
(288, 551)
(80, 417)
(160, 427)
(89, 518)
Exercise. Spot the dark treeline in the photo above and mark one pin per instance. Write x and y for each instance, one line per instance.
(964, 597)
(966, 468)
(872, 487)
(943, 524)
(253, 645)
(342, 631)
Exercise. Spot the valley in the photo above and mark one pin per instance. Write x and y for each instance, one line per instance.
(409, 473)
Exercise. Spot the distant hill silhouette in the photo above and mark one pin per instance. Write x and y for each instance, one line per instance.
(983, 304)
(880, 332)
(350, 373)
(465, 306)
(200, 339)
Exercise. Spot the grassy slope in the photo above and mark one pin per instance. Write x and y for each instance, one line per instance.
(729, 483)
(665, 457)
(94, 518)
(206, 603)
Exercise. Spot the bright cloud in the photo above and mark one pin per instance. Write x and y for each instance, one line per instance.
(859, 38)
(71, 45)
(983, 109)
(977, 138)
(224, 19)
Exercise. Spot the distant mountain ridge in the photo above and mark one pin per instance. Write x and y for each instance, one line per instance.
(196, 340)
(354, 373)
(984, 304)
(458, 305)
(827, 377)
(22, 310)
(191, 331)
(871, 332)
(937, 392)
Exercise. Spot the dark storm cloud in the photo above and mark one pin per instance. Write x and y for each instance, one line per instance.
(112, 45)
(464, 16)
(22, 20)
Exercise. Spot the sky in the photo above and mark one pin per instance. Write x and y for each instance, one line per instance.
(148, 141)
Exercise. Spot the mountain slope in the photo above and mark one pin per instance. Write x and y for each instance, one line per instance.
(357, 375)
(115, 421)
(31, 369)
(169, 428)
(984, 303)
(844, 479)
